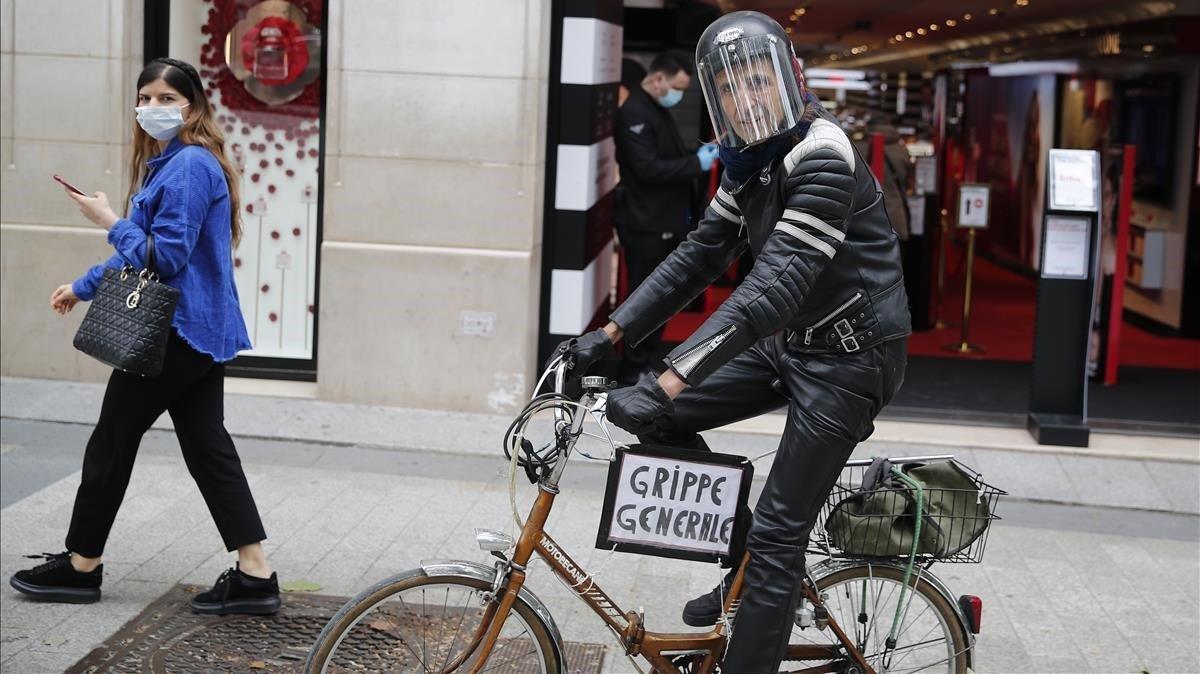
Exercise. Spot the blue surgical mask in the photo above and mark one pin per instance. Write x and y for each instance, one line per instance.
(161, 122)
(670, 98)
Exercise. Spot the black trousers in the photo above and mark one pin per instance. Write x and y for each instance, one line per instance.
(832, 401)
(191, 389)
(643, 252)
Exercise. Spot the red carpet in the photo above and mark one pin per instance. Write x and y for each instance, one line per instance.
(1002, 315)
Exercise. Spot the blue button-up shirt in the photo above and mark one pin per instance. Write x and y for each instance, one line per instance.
(185, 204)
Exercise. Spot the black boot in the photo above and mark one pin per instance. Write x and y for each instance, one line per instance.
(237, 592)
(705, 610)
(57, 580)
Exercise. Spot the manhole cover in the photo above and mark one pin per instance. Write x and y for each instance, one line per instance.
(168, 637)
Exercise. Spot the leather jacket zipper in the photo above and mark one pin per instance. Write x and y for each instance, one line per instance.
(693, 357)
(829, 317)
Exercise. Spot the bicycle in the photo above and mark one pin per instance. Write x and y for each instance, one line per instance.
(856, 616)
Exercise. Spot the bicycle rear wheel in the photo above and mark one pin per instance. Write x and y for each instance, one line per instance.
(418, 623)
(863, 600)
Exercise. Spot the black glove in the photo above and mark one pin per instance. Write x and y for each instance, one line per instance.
(584, 350)
(637, 407)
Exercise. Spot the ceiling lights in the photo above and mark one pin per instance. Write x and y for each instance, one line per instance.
(917, 32)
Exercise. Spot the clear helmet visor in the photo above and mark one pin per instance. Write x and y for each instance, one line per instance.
(751, 89)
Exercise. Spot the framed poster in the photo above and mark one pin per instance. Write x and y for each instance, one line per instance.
(916, 215)
(1067, 250)
(973, 204)
(1074, 180)
(674, 503)
(926, 175)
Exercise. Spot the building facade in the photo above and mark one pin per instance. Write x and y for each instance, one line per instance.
(425, 278)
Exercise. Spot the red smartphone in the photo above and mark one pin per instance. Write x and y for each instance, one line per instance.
(68, 185)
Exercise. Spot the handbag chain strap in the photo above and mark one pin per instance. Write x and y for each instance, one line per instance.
(144, 277)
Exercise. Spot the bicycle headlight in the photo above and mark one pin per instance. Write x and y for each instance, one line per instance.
(493, 541)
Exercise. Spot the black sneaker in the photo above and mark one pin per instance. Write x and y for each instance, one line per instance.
(705, 610)
(57, 580)
(237, 592)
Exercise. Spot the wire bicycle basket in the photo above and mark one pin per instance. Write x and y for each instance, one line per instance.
(871, 513)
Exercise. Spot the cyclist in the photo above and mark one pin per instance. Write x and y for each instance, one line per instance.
(820, 324)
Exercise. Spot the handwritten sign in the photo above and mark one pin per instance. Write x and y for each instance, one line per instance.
(664, 502)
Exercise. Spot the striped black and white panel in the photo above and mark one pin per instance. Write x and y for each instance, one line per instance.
(580, 169)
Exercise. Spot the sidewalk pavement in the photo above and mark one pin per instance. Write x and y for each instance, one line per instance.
(1122, 471)
(351, 494)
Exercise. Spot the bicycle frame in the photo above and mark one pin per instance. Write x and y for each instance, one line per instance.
(657, 648)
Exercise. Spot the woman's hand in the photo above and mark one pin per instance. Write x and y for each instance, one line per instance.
(63, 300)
(95, 208)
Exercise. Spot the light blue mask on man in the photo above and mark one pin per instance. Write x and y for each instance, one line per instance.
(670, 98)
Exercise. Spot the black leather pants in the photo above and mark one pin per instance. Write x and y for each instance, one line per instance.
(832, 401)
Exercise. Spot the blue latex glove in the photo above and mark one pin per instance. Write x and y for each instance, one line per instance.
(707, 154)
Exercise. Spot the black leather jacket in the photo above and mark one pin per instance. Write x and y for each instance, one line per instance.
(827, 264)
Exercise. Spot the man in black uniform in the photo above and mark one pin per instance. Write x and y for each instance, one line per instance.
(658, 178)
(819, 325)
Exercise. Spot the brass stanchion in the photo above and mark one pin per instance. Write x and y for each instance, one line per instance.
(938, 323)
(964, 346)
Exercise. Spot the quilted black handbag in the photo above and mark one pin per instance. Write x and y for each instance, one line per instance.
(129, 320)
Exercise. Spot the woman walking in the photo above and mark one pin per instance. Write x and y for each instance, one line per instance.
(183, 191)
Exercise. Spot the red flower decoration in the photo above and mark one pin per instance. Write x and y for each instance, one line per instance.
(264, 164)
(272, 317)
(290, 173)
(295, 231)
(237, 261)
(271, 189)
(274, 234)
(265, 287)
(254, 177)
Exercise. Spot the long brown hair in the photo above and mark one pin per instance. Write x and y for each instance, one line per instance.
(199, 128)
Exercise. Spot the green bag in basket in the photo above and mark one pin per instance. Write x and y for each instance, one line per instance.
(878, 521)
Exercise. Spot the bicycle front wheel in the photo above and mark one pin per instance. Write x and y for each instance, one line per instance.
(419, 623)
(864, 602)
